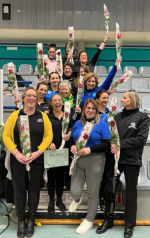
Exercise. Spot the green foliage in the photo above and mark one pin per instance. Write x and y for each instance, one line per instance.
(64, 125)
(46, 72)
(79, 145)
(11, 79)
(23, 138)
(40, 66)
(79, 96)
(71, 43)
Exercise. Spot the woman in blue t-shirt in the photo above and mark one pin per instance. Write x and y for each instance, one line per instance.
(91, 83)
(53, 84)
(90, 165)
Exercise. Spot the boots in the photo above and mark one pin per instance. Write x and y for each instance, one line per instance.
(60, 204)
(107, 224)
(21, 229)
(51, 206)
(30, 229)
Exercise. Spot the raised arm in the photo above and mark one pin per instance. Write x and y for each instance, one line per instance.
(108, 81)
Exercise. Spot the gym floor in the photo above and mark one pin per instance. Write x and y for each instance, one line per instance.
(63, 231)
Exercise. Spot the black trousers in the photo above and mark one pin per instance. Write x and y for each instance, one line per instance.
(55, 180)
(3, 172)
(131, 173)
(21, 183)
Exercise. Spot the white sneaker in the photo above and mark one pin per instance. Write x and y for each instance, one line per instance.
(73, 206)
(84, 227)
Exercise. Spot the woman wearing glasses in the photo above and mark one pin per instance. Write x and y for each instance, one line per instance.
(40, 136)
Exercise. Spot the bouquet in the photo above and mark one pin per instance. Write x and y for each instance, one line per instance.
(107, 18)
(79, 94)
(24, 133)
(114, 132)
(118, 42)
(45, 67)
(71, 40)
(1, 138)
(13, 83)
(65, 123)
(81, 143)
(124, 78)
(59, 63)
(40, 58)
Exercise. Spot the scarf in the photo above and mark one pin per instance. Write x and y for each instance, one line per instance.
(71, 99)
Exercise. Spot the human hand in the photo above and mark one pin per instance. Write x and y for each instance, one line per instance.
(21, 158)
(114, 150)
(111, 91)
(118, 60)
(66, 137)
(73, 149)
(46, 112)
(16, 101)
(69, 56)
(107, 36)
(84, 151)
(52, 146)
(77, 109)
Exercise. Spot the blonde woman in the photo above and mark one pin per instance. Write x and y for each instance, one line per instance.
(90, 165)
(133, 127)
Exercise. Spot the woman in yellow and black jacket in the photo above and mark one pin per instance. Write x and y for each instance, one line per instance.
(41, 137)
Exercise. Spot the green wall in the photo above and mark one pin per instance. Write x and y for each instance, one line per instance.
(107, 53)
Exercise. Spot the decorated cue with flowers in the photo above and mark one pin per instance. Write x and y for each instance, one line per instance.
(81, 143)
(13, 83)
(59, 63)
(40, 59)
(45, 67)
(118, 43)
(65, 122)
(71, 41)
(114, 132)
(79, 95)
(107, 18)
(124, 78)
(24, 134)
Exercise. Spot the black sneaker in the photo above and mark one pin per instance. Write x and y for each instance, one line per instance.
(104, 227)
(60, 204)
(51, 206)
(128, 232)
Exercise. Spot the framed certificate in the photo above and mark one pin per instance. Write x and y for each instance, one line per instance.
(56, 158)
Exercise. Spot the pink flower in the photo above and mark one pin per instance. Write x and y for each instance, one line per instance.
(85, 136)
(106, 10)
(27, 129)
(119, 36)
(10, 71)
(66, 114)
(121, 80)
(40, 52)
(21, 128)
(28, 144)
(70, 35)
(113, 108)
(80, 85)
(58, 53)
(112, 123)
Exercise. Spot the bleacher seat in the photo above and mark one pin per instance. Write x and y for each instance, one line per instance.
(140, 85)
(100, 81)
(146, 103)
(34, 81)
(123, 87)
(133, 69)
(144, 71)
(5, 69)
(25, 69)
(119, 71)
(9, 100)
(143, 182)
(100, 71)
(118, 106)
(36, 71)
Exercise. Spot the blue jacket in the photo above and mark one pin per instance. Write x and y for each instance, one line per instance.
(105, 85)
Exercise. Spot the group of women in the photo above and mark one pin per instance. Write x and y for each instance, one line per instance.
(45, 109)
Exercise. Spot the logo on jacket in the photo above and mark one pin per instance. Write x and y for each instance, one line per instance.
(133, 125)
(39, 120)
(94, 94)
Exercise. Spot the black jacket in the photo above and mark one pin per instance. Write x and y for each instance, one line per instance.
(133, 127)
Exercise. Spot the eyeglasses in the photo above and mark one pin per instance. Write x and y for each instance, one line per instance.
(29, 96)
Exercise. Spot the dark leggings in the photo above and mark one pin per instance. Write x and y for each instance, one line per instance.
(21, 183)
